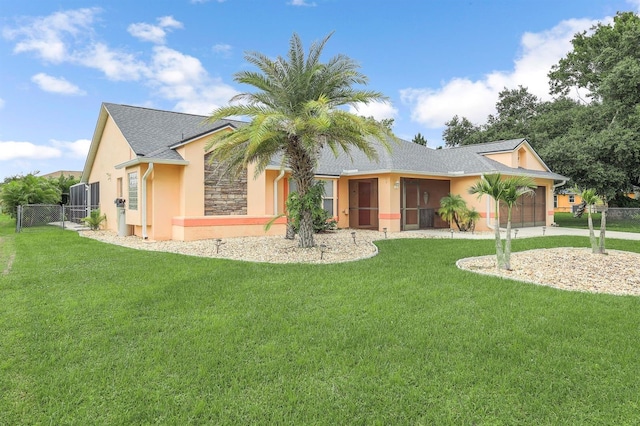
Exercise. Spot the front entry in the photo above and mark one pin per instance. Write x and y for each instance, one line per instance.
(410, 204)
(419, 203)
(363, 203)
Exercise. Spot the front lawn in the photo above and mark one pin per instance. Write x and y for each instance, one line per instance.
(568, 221)
(99, 334)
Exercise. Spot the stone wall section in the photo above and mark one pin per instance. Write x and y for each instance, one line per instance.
(223, 195)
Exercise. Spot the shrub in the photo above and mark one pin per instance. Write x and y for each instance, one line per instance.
(95, 219)
(322, 220)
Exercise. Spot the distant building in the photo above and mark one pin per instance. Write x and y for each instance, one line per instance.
(68, 173)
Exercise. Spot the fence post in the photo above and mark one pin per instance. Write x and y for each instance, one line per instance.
(18, 218)
(62, 205)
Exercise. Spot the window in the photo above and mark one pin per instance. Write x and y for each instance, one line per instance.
(133, 191)
(327, 199)
(555, 201)
(119, 187)
(572, 199)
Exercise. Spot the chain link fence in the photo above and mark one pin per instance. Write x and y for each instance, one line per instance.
(36, 215)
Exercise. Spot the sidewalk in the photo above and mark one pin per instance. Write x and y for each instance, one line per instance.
(537, 231)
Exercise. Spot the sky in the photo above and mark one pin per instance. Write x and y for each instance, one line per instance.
(432, 59)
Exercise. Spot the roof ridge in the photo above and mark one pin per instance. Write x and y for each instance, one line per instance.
(486, 143)
(155, 109)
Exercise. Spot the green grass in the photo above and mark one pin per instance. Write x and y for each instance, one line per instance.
(99, 334)
(568, 221)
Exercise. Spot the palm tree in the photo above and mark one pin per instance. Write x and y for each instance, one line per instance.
(450, 208)
(296, 111)
(590, 198)
(515, 187)
(508, 191)
(454, 209)
(493, 186)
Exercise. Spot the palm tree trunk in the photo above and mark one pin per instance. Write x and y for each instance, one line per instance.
(306, 229)
(507, 245)
(302, 166)
(499, 251)
(603, 226)
(592, 235)
(291, 233)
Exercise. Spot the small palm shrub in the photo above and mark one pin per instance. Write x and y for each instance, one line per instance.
(95, 219)
(454, 209)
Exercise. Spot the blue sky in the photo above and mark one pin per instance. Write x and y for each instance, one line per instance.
(433, 59)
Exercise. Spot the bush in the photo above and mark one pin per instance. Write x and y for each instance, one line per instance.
(322, 220)
(95, 219)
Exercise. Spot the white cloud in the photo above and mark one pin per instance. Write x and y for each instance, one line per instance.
(222, 48)
(169, 22)
(377, 110)
(56, 85)
(475, 99)
(116, 65)
(49, 37)
(182, 78)
(302, 3)
(147, 32)
(173, 75)
(154, 33)
(76, 149)
(635, 4)
(11, 150)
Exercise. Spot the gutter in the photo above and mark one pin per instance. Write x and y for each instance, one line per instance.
(144, 201)
(275, 192)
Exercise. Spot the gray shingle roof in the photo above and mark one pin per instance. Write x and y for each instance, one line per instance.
(154, 134)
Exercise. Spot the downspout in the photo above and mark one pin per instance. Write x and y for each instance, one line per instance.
(144, 201)
(554, 193)
(275, 192)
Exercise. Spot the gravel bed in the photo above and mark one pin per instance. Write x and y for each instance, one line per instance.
(567, 268)
(331, 247)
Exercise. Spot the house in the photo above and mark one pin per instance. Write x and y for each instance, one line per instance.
(566, 200)
(155, 162)
(65, 173)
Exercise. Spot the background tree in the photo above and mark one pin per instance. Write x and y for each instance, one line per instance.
(419, 139)
(65, 182)
(295, 113)
(461, 131)
(29, 189)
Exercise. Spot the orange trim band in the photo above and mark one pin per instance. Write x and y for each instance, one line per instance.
(550, 212)
(389, 216)
(188, 222)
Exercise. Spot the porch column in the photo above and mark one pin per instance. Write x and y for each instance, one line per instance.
(389, 203)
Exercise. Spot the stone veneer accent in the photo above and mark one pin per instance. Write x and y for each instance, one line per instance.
(223, 195)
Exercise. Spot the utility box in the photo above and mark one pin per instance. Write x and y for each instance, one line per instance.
(123, 228)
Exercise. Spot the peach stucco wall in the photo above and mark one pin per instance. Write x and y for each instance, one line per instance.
(522, 157)
(207, 227)
(116, 151)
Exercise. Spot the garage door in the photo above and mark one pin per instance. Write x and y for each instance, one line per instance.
(529, 210)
